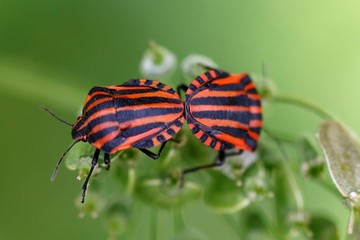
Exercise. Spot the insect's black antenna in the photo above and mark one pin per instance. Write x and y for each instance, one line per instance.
(56, 117)
(53, 176)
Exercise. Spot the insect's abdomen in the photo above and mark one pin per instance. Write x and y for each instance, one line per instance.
(140, 113)
(224, 112)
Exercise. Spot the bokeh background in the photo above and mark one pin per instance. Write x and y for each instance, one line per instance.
(53, 52)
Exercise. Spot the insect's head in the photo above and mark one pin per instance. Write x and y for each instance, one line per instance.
(79, 130)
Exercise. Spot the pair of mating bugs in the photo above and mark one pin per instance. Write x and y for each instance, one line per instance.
(222, 110)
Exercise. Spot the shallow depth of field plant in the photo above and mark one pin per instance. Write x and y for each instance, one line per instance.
(257, 194)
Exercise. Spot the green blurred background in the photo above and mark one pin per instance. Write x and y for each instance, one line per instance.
(53, 52)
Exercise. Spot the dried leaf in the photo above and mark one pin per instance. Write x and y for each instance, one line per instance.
(342, 153)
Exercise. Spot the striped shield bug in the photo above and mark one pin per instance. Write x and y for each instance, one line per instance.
(224, 112)
(137, 114)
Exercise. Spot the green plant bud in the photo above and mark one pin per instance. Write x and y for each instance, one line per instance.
(257, 187)
(93, 205)
(166, 193)
(235, 166)
(116, 220)
(84, 165)
(313, 168)
(157, 62)
(312, 164)
(224, 195)
(80, 150)
(269, 154)
(342, 153)
(191, 65)
(299, 222)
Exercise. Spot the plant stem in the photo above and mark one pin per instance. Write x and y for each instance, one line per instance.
(299, 201)
(179, 222)
(131, 181)
(153, 224)
(322, 113)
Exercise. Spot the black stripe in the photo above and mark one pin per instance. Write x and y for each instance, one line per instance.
(252, 90)
(221, 74)
(161, 138)
(132, 131)
(106, 118)
(235, 132)
(251, 142)
(213, 143)
(208, 75)
(254, 102)
(96, 136)
(113, 143)
(240, 100)
(160, 85)
(171, 132)
(255, 116)
(172, 91)
(148, 143)
(224, 146)
(99, 107)
(134, 91)
(121, 102)
(225, 87)
(148, 82)
(255, 130)
(131, 82)
(93, 99)
(178, 123)
(203, 137)
(200, 80)
(101, 90)
(195, 129)
(192, 87)
(129, 115)
(242, 117)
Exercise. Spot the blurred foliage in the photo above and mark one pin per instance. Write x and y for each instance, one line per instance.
(53, 52)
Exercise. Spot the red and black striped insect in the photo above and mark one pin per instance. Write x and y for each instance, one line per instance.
(224, 111)
(137, 114)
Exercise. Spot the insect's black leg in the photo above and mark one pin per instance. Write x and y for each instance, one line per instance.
(181, 87)
(93, 164)
(151, 154)
(219, 161)
(107, 160)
